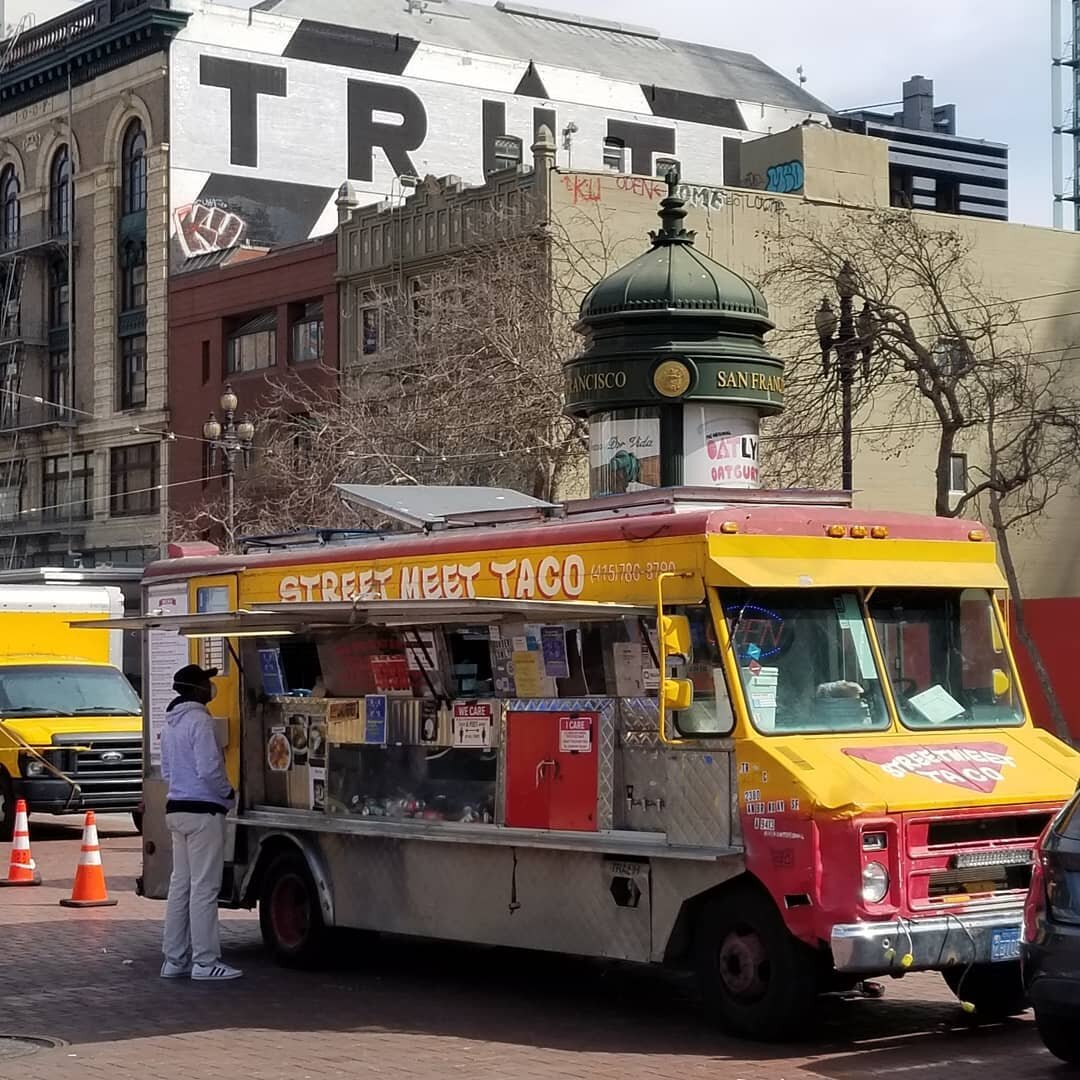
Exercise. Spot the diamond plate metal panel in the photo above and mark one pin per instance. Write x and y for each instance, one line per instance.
(641, 776)
(699, 809)
(521, 897)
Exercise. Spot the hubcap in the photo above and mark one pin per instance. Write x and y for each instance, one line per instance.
(290, 912)
(744, 965)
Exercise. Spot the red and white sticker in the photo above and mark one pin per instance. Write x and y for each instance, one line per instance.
(976, 766)
(575, 735)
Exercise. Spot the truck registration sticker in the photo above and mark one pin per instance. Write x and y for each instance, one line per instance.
(1005, 944)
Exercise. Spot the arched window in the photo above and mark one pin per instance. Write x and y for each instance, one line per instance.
(133, 180)
(60, 193)
(9, 207)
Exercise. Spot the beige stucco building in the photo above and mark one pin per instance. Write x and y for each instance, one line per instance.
(83, 269)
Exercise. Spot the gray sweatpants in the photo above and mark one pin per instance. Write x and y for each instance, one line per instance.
(191, 914)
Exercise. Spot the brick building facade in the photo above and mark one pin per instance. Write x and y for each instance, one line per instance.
(253, 318)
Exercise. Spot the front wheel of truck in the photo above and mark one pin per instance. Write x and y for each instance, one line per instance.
(996, 990)
(290, 916)
(7, 808)
(756, 979)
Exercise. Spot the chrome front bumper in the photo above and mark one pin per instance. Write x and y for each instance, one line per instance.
(934, 941)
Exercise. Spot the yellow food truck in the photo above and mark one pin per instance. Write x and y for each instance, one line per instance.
(758, 734)
(70, 722)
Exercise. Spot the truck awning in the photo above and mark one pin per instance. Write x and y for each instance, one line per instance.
(274, 619)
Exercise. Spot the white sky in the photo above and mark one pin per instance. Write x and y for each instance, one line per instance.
(988, 57)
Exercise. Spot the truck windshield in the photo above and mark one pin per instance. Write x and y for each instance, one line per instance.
(945, 658)
(805, 661)
(66, 690)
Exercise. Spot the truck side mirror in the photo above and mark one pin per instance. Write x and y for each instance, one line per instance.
(677, 644)
(678, 694)
(1002, 683)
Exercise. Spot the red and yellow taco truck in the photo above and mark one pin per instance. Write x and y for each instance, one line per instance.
(761, 734)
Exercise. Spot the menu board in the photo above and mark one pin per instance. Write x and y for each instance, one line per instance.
(168, 653)
(364, 663)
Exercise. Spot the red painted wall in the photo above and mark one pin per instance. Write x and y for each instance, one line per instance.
(1055, 626)
(204, 306)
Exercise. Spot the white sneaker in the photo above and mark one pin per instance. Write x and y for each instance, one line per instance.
(169, 970)
(218, 972)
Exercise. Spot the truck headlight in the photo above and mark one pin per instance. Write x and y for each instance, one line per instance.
(35, 767)
(875, 883)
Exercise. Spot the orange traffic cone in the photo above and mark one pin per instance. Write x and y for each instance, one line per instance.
(89, 890)
(22, 870)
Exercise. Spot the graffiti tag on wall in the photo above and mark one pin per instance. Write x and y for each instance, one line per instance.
(202, 228)
(785, 178)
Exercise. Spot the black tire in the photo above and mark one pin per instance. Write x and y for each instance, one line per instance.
(7, 808)
(756, 979)
(1061, 1036)
(996, 990)
(290, 916)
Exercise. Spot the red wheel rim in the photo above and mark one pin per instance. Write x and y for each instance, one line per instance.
(290, 912)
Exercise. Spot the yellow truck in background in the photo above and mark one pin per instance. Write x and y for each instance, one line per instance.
(70, 722)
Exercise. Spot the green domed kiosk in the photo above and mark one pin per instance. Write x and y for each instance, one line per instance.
(674, 376)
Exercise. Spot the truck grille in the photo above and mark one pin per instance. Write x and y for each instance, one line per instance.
(957, 858)
(108, 769)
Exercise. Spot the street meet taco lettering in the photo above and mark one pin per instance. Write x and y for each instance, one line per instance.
(975, 766)
(547, 578)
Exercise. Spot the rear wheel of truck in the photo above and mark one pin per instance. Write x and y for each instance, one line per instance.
(7, 808)
(756, 979)
(1060, 1035)
(290, 916)
(996, 990)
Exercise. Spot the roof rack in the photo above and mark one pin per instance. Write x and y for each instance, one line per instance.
(430, 507)
(672, 498)
(306, 538)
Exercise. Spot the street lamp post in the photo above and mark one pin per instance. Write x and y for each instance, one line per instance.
(849, 337)
(230, 440)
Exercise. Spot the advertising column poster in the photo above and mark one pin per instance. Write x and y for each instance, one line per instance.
(720, 446)
(624, 453)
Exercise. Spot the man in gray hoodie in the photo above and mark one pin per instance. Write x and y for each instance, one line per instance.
(198, 799)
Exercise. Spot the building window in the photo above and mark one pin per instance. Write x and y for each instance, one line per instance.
(253, 345)
(133, 372)
(60, 193)
(205, 362)
(133, 181)
(369, 330)
(68, 494)
(958, 474)
(10, 409)
(59, 296)
(58, 385)
(508, 153)
(133, 480)
(9, 207)
(133, 277)
(307, 335)
(614, 154)
(664, 165)
(947, 196)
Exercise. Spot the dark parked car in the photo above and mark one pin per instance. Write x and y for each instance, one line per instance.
(1051, 948)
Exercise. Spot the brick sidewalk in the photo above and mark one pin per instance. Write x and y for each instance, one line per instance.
(404, 1012)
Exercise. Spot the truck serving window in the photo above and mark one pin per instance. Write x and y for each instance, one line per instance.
(945, 658)
(66, 690)
(805, 661)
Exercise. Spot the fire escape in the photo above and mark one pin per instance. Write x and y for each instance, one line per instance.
(26, 246)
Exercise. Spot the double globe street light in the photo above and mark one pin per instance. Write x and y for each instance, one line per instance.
(229, 440)
(849, 337)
